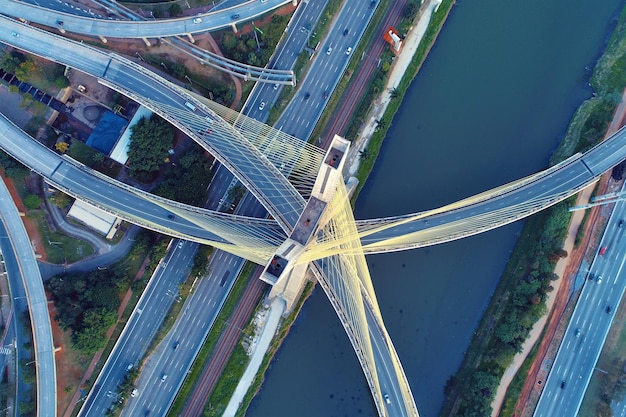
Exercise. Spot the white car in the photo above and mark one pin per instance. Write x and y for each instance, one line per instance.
(348, 50)
(386, 397)
(262, 105)
(329, 50)
(197, 20)
(134, 392)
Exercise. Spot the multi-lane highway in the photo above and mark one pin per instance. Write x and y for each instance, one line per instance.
(94, 26)
(582, 342)
(37, 303)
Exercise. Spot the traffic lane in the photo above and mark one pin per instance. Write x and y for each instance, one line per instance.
(591, 318)
(90, 25)
(175, 355)
(136, 335)
(570, 177)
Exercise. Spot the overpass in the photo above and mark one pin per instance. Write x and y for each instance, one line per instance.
(138, 27)
(37, 305)
(338, 259)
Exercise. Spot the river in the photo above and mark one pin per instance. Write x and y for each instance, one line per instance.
(489, 106)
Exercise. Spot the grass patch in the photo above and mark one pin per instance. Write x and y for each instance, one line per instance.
(59, 248)
(283, 331)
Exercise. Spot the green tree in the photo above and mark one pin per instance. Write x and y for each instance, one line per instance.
(175, 10)
(60, 199)
(9, 63)
(150, 141)
(32, 201)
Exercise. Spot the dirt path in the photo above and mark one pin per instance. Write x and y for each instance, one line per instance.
(566, 269)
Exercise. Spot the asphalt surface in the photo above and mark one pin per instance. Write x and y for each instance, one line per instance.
(589, 325)
(93, 25)
(37, 302)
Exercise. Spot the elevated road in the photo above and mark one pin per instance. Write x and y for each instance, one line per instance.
(43, 344)
(174, 104)
(93, 26)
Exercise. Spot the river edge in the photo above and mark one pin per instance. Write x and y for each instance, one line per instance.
(402, 73)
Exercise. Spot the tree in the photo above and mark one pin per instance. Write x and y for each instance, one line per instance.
(32, 201)
(62, 146)
(175, 10)
(60, 199)
(25, 69)
(394, 93)
(381, 124)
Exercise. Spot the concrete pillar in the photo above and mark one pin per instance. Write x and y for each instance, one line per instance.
(234, 27)
(294, 2)
(146, 41)
(61, 30)
(102, 38)
(191, 39)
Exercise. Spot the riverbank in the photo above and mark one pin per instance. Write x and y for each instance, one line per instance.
(596, 112)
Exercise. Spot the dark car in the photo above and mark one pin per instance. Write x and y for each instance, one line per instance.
(562, 384)
(325, 94)
(235, 16)
(307, 95)
(176, 346)
(171, 216)
(345, 32)
(608, 309)
(620, 224)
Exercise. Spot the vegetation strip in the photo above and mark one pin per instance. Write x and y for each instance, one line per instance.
(471, 390)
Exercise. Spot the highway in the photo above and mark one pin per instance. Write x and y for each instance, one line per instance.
(37, 303)
(522, 200)
(175, 355)
(143, 323)
(589, 325)
(17, 331)
(108, 27)
(332, 57)
(219, 138)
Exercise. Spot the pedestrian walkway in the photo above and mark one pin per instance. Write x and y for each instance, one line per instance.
(265, 338)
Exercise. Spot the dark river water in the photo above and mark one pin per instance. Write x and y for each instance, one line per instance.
(489, 106)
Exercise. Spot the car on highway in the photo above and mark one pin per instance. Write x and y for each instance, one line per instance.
(197, 20)
(599, 279)
(307, 95)
(176, 345)
(171, 216)
(180, 244)
(386, 397)
(17, 35)
(325, 96)
(577, 332)
(602, 250)
(234, 17)
(620, 224)
(275, 87)
(60, 22)
(563, 384)
(134, 392)
(348, 50)
(262, 105)
(163, 378)
(329, 50)
(608, 309)
(345, 31)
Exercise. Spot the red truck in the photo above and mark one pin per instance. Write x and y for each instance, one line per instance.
(602, 250)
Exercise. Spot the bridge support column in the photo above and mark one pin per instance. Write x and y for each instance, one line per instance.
(190, 37)
(146, 41)
(234, 26)
(102, 38)
(294, 2)
(61, 30)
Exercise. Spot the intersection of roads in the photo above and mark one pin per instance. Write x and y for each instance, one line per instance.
(173, 358)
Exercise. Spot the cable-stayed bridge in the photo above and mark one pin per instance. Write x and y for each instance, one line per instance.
(260, 157)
